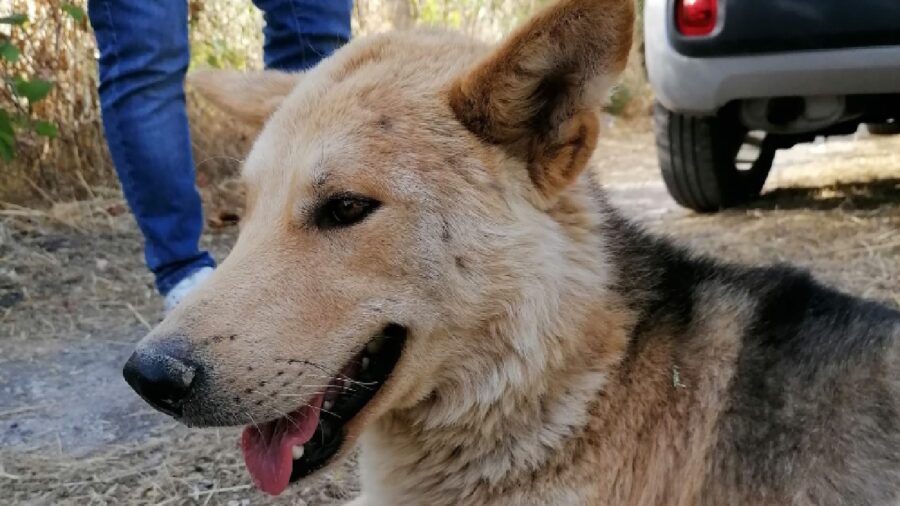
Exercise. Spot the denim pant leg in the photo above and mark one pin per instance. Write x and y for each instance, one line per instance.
(299, 33)
(143, 59)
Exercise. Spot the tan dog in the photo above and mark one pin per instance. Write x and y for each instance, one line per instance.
(426, 269)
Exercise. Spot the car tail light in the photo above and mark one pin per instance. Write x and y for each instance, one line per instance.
(695, 18)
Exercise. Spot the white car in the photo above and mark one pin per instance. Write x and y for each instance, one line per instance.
(736, 80)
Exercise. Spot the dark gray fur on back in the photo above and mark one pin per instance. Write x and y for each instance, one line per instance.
(813, 407)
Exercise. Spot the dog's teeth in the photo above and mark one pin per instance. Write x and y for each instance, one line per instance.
(327, 405)
(297, 452)
(365, 363)
(374, 345)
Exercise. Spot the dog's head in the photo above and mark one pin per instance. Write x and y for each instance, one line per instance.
(399, 197)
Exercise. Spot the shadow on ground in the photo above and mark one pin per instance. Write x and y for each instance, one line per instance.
(855, 195)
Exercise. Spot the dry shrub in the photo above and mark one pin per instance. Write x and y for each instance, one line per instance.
(224, 33)
(57, 48)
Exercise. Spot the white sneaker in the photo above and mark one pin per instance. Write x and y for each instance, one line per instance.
(184, 287)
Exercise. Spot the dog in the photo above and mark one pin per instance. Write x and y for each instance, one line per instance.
(426, 270)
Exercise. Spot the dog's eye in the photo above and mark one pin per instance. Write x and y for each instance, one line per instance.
(344, 211)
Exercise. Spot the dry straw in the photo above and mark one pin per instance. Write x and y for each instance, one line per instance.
(224, 33)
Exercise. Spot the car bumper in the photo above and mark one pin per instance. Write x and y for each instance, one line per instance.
(703, 85)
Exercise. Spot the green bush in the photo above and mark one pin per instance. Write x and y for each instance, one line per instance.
(24, 91)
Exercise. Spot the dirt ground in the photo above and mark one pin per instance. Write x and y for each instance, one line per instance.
(74, 298)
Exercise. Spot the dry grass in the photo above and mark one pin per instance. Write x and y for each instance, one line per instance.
(57, 48)
(174, 467)
(224, 33)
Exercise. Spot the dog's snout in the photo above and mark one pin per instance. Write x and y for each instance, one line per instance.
(162, 376)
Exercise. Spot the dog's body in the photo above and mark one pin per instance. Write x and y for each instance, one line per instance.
(691, 382)
(555, 354)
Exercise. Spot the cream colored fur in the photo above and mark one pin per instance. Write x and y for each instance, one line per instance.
(510, 389)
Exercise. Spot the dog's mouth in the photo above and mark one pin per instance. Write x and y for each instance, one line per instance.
(281, 451)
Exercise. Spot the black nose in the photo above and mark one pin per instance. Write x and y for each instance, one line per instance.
(162, 377)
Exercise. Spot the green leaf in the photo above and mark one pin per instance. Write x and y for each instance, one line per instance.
(14, 19)
(9, 52)
(618, 100)
(7, 137)
(34, 91)
(76, 12)
(7, 149)
(6, 123)
(45, 128)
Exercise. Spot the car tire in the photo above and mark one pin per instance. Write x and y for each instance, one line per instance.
(698, 160)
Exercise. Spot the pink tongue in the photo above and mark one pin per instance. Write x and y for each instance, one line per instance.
(267, 448)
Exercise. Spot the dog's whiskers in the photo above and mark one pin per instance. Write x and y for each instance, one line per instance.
(364, 384)
(288, 417)
(330, 373)
(323, 410)
(346, 379)
(327, 387)
(253, 422)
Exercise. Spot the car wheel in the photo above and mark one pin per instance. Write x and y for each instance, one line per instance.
(710, 163)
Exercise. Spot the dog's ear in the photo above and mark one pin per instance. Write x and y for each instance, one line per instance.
(249, 96)
(537, 94)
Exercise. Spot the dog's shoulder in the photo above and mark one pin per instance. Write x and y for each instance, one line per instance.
(815, 391)
(799, 382)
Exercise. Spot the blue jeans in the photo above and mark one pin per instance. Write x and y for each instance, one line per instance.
(143, 59)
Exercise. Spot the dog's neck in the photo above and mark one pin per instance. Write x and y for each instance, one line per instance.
(515, 405)
(584, 372)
